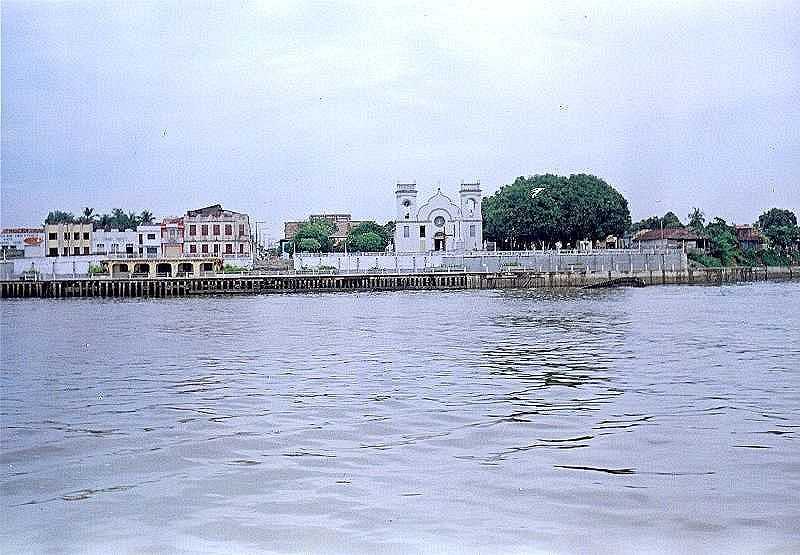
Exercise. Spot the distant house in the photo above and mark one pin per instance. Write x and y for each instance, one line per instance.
(342, 223)
(749, 237)
(671, 238)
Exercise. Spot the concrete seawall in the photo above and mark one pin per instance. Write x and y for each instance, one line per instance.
(266, 283)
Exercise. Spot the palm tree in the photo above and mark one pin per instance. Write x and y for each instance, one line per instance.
(88, 215)
(117, 219)
(146, 217)
(132, 220)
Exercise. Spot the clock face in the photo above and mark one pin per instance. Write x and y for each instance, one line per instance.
(438, 221)
(406, 203)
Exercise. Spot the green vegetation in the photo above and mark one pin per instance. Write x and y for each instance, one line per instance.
(544, 209)
(368, 237)
(780, 227)
(724, 249)
(669, 221)
(314, 236)
(118, 219)
(95, 269)
(233, 269)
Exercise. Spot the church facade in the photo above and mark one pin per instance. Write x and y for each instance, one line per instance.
(438, 224)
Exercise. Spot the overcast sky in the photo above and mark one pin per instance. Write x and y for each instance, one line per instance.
(281, 110)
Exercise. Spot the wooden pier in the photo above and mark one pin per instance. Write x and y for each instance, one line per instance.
(162, 287)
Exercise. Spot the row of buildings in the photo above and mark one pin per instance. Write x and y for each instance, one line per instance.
(207, 232)
(748, 236)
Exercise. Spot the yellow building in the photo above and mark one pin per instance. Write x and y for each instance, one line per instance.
(68, 239)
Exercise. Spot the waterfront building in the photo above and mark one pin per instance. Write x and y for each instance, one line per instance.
(114, 242)
(218, 232)
(161, 266)
(149, 240)
(681, 238)
(438, 224)
(342, 223)
(73, 239)
(172, 235)
(19, 242)
(749, 237)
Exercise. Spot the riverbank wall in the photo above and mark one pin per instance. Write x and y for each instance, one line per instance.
(105, 287)
(605, 260)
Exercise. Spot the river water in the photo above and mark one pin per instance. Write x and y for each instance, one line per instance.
(661, 419)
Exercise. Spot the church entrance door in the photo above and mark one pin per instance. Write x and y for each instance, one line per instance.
(439, 242)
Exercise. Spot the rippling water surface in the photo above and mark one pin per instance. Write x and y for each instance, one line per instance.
(657, 419)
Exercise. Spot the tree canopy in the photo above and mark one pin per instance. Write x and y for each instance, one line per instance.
(697, 220)
(118, 219)
(548, 208)
(368, 237)
(722, 242)
(780, 227)
(317, 230)
(669, 221)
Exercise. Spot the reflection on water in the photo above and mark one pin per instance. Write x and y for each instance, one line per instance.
(660, 419)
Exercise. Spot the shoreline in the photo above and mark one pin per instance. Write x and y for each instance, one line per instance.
(253, 284)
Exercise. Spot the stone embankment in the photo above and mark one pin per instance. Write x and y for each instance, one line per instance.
(273, 283)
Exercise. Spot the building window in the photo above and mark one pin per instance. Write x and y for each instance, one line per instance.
(53, 251)
(192, 229)
(405, 231)
(216, 248)
(204, 249)
(101, 247)
(228, 248)
(66, 251)
(228, 230)
(216, 229)
(153, 250)
(151, 235)
(85, 250)
(76, 236)
(192, 248)
(76, 250)
(52, 236)
(422, 231)
(66, 236)
(241, 230)
(204, 230)
(241, 248)
(472, 230)
(85, 235)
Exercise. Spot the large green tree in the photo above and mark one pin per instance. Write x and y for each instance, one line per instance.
(780, 227)
(319, 230)
(722, 242)
(547, 208)
(697, 220)
(368, 237)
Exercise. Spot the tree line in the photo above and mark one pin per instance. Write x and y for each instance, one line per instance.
(117, 219)
(316, 235)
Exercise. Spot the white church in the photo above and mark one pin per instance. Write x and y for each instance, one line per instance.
(439, 224)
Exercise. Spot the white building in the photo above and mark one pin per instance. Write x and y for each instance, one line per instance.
(22, 241)
(114, 241)
(438, 224)
(149, 240)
